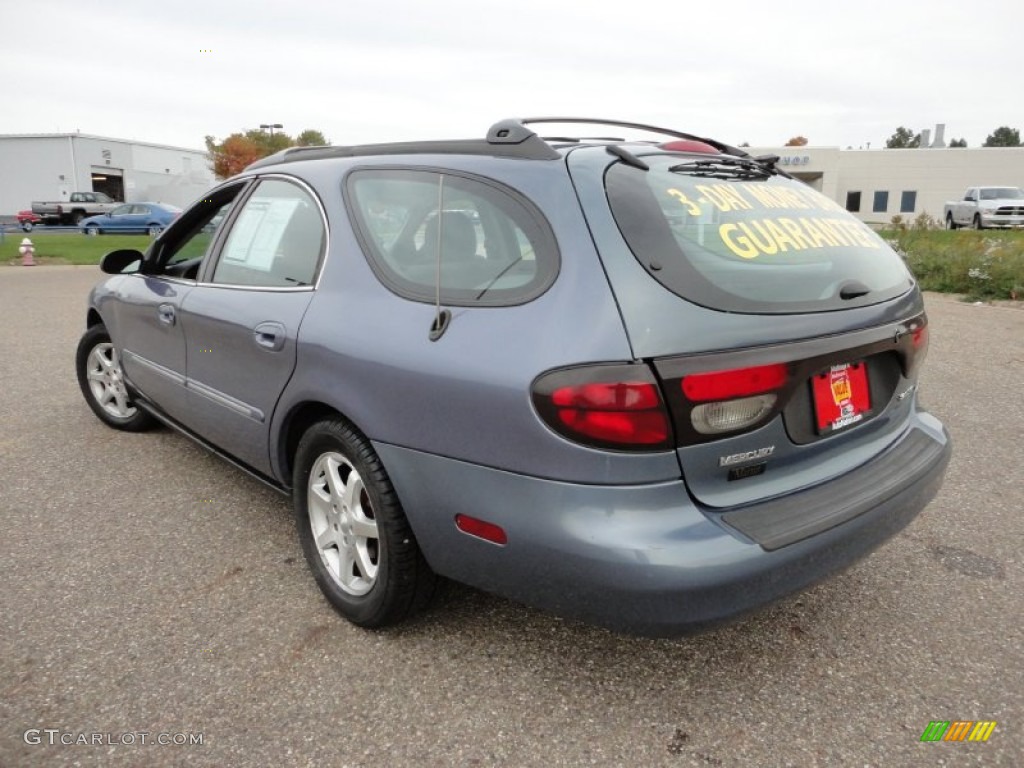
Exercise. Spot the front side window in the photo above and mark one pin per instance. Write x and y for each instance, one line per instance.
(492, 246)
(276, 240)
(741, 240)
(122, 210)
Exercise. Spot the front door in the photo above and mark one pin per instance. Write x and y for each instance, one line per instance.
(242, 320)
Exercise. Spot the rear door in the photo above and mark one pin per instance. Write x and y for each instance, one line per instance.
(785, 333)
(242, 320)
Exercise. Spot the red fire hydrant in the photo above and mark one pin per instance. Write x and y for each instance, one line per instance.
(28, 252)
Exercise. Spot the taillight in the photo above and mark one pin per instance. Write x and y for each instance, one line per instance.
(735, 399)
(605, 406)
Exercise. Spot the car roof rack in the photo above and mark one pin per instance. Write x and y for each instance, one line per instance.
(523, 143)
(517, 126)
(506, 138)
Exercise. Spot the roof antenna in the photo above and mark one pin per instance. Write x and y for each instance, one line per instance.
(443, 316)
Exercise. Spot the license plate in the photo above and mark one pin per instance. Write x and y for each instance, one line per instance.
(841, 396)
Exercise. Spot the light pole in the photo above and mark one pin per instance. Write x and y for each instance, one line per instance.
(271, 126)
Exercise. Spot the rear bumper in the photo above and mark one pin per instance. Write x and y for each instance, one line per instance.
(645, 559)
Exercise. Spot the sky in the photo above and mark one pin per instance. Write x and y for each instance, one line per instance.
(758, 72)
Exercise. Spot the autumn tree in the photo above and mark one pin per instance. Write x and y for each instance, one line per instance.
(237, 151)
(1004, 136)
(797, 141)
(903, 138)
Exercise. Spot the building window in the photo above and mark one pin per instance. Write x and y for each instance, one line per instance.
(853, 202)
(908, 201)
(881, 202)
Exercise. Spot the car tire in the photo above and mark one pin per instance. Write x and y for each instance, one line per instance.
(91, 230)
(950, 224)
(977, 222)
(26, 226)
(154, 230)
(354, 534)
(76, 218)
(101, 379)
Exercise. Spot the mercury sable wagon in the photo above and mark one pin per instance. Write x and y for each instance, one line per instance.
(648, 384)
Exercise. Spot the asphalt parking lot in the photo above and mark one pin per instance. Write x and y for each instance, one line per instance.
(149, 588)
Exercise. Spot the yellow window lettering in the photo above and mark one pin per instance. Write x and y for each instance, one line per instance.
(791, 198)
(713, 196)
(741, 245)
(784, 241)
(692, 208)
(732, 194)
(856, 233)
(830, 226)
(762, 194)
(819, 237)
(796, 233)
(767, 245)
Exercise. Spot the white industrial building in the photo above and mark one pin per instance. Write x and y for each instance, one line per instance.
(51, 166)
(877, 184)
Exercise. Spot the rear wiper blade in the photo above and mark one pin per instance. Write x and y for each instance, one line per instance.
(722, 168)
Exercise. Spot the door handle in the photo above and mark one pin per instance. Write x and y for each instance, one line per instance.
(166, 314)
(270, 336)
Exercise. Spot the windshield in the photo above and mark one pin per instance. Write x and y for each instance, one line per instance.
(735, 237)
(1001, 193)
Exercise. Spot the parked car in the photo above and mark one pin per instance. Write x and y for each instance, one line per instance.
(648, 384)
(27, 220)
(151, 218)
(75, 208)
(984, 207)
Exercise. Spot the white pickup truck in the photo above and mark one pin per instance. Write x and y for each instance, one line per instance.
(984, 207)
(72, 211)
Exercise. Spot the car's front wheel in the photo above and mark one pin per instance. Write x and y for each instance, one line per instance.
(977, 222)
(102, 381)
(26, 226)
(92, 230)
(154, 230)
(354, 534)
(950, 224)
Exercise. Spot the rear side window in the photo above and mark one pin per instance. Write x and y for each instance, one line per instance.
(495, 246)
(741, 242)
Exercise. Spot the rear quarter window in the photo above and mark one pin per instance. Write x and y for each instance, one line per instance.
(744, 242)
(496, 248)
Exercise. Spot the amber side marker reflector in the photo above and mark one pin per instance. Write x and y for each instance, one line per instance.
(481, 529)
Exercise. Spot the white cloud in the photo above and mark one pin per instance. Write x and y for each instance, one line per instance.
(373, 71)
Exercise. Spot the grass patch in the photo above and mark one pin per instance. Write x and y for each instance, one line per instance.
(71, 248)
(982, 265)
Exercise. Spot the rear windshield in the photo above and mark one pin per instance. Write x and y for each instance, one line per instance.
(749, 242)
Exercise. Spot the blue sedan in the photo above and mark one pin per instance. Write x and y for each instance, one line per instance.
(151, 218)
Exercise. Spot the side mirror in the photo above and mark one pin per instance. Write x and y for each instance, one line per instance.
(120, 262)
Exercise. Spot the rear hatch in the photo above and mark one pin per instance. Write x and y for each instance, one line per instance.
(785, 334)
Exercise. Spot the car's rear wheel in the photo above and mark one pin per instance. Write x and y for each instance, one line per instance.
(950, 224)
(354, 534)
(98, 366)
(155, 229)
(91, 230)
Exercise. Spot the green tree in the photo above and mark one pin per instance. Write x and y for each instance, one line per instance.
(957, 143)
(1004, 136)
(311, 138)
(797, 141)
(903, 138)
(237, 151)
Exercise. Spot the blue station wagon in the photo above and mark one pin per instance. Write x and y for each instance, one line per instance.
(651, 384)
